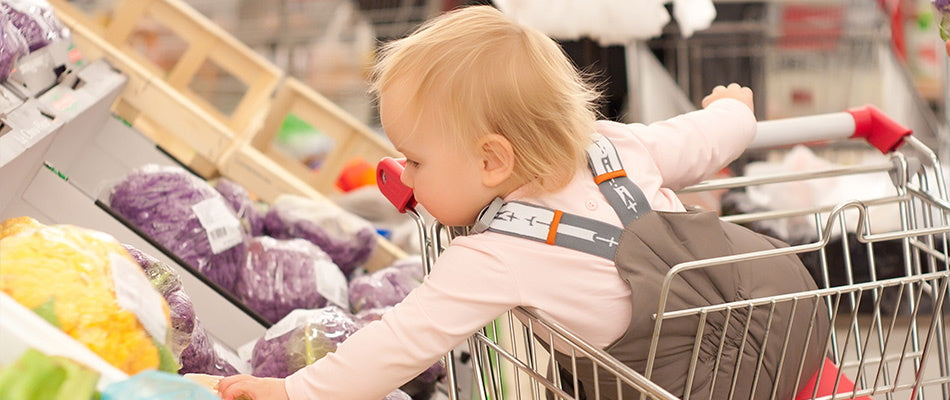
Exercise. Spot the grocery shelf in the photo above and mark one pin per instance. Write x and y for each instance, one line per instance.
(50, 199)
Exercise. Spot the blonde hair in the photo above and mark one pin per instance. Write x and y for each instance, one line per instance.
(482, 73)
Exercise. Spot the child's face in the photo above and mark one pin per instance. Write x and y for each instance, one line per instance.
(445, 178)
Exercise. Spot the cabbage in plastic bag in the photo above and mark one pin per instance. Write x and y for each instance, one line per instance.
(168, 283)
(200, 357)
(412, 266)
(174, 207)
(283, 275)
(299, 339)
(12, 46)
(35, 21)
(348, 239)
(386, 287)
(240, 201)
(86, 284)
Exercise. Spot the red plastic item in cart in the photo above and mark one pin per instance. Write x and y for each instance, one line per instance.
(826, 383)
(388, 178)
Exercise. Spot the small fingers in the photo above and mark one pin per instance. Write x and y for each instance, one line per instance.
(226, 385)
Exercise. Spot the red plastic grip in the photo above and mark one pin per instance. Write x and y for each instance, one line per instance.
(878, 129)
(388, 179)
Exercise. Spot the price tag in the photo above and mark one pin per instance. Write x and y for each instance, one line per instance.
(331, 284)
(221, 226)
(136, 294)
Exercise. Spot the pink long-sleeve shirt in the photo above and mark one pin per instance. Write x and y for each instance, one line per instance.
(479, 277)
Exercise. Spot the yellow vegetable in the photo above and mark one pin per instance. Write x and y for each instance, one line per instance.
(72, 266)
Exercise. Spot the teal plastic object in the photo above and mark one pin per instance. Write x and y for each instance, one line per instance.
(157, 385)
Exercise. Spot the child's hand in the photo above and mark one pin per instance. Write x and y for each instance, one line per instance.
(246, 387)
(733, 91)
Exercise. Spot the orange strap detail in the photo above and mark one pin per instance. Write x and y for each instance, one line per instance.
(552, 231)
(608, 176)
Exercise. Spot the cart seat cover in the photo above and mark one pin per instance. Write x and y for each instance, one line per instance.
(654, 243)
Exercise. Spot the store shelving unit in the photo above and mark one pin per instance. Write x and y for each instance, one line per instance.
(62, 148)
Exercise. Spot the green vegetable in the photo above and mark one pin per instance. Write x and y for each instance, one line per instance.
(37, 376)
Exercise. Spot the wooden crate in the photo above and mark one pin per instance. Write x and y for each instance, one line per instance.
(352, 138)
(199, 132)
(160, 103)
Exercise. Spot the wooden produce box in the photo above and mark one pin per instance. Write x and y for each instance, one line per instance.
(351, 137)
(163, 98)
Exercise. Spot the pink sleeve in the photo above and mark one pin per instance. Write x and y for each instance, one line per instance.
(691, 147)
(466, 290)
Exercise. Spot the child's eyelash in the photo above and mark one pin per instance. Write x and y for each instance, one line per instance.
(412, 163)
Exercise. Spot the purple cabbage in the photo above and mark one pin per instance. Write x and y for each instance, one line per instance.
(240, 201)
(302, 337)
(168, 283)
(365, 316)
(386, 287)
(158, 200)
(35, 21)
(412, 266)
(12, 46)
(200, 357)
(283, 275)
(348, 239)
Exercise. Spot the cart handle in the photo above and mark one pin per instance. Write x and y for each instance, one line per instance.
(866, 122)
(388, 178)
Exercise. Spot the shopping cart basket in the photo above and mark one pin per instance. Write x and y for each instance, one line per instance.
(888, 338)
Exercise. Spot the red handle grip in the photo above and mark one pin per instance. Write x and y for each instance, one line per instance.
(878, 129)
(388, 178)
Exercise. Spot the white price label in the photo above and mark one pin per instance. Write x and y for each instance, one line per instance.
(331, 284)
(136, 294)
(221, 226)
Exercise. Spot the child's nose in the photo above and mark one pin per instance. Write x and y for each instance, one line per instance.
(406, 178)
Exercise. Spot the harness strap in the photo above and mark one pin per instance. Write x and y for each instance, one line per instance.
(575, 232)
(553, 227)
(624, 196)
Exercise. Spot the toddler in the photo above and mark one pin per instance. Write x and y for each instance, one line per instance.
(491, 113)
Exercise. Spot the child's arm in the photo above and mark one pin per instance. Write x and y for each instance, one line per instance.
(466, 290)
(691, 147)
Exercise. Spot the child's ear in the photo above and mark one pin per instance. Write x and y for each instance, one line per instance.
(497, 158)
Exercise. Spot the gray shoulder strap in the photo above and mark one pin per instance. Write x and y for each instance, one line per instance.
(550, 226)
(624, 196)
(568, 230)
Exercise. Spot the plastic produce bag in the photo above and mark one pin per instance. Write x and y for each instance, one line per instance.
(35, 21)
(168, 283)
(156, 385)
(386, 287)
(411, 266)
(347, 238)
(299, 339)
(200, 357)
(283, 275)
(12, 46)
(240, 201)
(186, 216)
(85, 283)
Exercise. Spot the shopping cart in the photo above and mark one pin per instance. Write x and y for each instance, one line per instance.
(888, 337)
